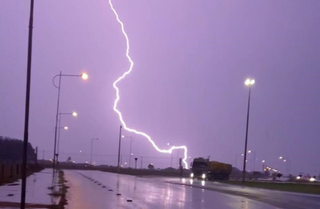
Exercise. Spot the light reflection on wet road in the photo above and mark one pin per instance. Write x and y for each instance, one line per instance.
(287, 200)
(95, 190)
(37, 189)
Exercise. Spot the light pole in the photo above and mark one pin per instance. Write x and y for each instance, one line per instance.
(249, 83)
(84, 76)
(287, 163)
(65, 128)
(130, 153)
(263, 161)
(254, 156)
(236, 158)
(119, 148)
(57, 154)
(91, 149)
(80, 156)
(170, 157)
(26, 116)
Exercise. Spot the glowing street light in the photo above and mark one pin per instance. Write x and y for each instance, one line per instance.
(170, 156)
(249, 83)
(91, 148)
(80, 156)
(75, 114)
(263, 161)
(254, 161)
(287, 161)
(84, 76)
(130, 137)
(60, 75)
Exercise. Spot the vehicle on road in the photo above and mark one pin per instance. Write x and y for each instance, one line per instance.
(210, 170)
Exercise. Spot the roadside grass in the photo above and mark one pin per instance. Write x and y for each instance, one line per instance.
(62, 192)
(310, 188)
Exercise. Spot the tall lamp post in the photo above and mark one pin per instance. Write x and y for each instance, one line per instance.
(287, 162)
(249, 83)
(119, 148)
(170, 156)
(263, 162)
(91, 149)
(26, 116)
(84, 76)
(254, 160)
(57, 154)
(80, 156)
(65, 128)
(130, 153)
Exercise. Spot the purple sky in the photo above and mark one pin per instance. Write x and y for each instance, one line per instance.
(187, 86)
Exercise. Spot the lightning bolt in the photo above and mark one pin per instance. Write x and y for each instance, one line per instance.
(118, 97)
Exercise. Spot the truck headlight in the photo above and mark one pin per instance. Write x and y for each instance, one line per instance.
(191, 175)
(203, 176)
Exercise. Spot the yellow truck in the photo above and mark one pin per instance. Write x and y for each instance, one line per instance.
(210, 170)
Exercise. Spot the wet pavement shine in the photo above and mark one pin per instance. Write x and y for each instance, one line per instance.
(100, 190)
(37, 192)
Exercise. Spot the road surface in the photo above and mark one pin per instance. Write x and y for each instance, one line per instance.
(95, 190)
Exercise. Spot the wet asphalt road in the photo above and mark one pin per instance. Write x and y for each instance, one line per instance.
(286, 200)
(95, 190)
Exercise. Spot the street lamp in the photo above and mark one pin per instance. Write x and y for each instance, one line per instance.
(170, 157)
(119, 148)
(130, 137)
(254, 156)
(84, 76)
(80, 156)
(287, 162)
(75, 114)
(236, 158)
(249, 83)
(91, 148)
(66, 128)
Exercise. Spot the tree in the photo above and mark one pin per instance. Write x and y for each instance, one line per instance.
(151, 166)
(69, 159)
(11, 150)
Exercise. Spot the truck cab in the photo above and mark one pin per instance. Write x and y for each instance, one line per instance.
(199, 169)
(212, 170)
